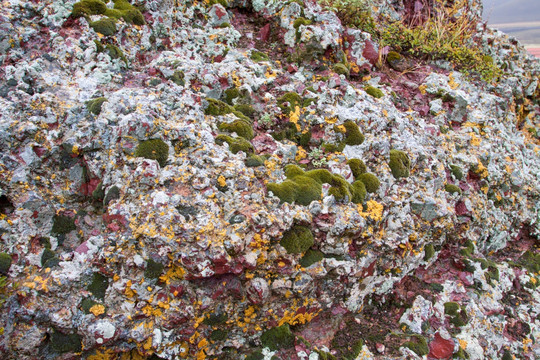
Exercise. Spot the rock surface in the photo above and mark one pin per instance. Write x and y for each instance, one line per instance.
(174, 251)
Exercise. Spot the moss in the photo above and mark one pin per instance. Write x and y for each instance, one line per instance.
(219, 335)
(216, 107)
(231, 94)
(216, 318)
(88, 7)
(530, 261)
(245, 109)
(461, 354)
(399, 164)
(301, 21)
(113, 193)
(322, 176)
(373, 91)
(155, 149)
(99, 285)
(94, 105)
(258, 56)
(5, 262)
(371, 181)
(63, 224)
(323, 355)
(235, 144)
(311, 257)
(297, 240)
(452, 189)
(353, 136)
(451, 308)
(115, 52)
(393, 56)
(468, 250)
(332, 148)
(292, 171)
(357, 167)
(456, 171)
(240, 127)
(106, 27)
(507, 355)
(359, 192)
(49, 259)
(64, 343)
(419, 346)
(341, 69)
(277, 338)
(133, 16)
(153, 269)
(178, 78)
(429, 251)
(341, 189)
(255, 355)
(254, 161)
(98, 194)
(289, 102)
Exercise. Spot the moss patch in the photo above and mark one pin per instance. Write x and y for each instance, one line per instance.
(240, 127)
(373, 91)
(429, 251)
(235, 144)
(452, 189)
(418, 345)
(357, 167)
(49, 259)
(457, 172)
(94, 106)
(153, 269)
(106, 27)
(5, 262)
(88, 7)
(371, 182)
(311, 257)
(277, 338)
(353, 136)
(155, 149)
(99, 285)
(216, 107)
(63, 224)
(400, 164)
(258, 56)
(297, 240)
(64, 343)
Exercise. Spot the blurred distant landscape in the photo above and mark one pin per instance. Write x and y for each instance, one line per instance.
(519, 18)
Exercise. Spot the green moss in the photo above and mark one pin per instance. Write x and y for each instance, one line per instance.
(359, 192)
(240, 127)
(530, 261)
(255, 355)
(311, 257)
(322, 176)
(341, 188)
(468, 250)
(452, 189)
(254, 161)
(429, 251)
(155, 149)
(99, 285)
(219, 335)
(341, 69)
(301, 21)
(64, 343)
(286, 191)
(115, 52)
(419, 346)
(216, 318)
(461, 354)
(297, 240)
(153, 269)
(133, 16)
(357, 167)
(63, 224)
(94, 105)
(353, 136)
(106, 27)
(88, 7)
(371, 181)
(399, 164)
(277, 338)
(98, 194)
(235, 144)
(178, 78)
(393, 56)
(231, 94)
(289, 102)
(323, 355)
(507, 355)
(292, 171)
(113, 193)
(216, 107)
(48, 258)
(258, 56)
(373, 91)
(332, 148)
(456, 171)
(245, 109)
(451, 308)
(5, 262)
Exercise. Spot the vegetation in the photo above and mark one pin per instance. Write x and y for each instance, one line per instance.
(155, 149)
(278, 338)
(400, 164)
(63, 224)
(297, 240)
(94, 105)
(5, 263)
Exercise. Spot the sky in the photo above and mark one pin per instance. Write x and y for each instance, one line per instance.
(519, 18)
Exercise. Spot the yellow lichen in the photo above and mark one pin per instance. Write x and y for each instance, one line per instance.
(97, 309)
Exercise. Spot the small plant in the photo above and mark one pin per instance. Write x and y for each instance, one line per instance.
(399, 164)
(63, 224)
(373, 91)
(155, 149)
(106, 26)
(64, 343)
(452, 189)
(5, 263)
(352, 13)
(153, 269)
(94, 105)
(311, 257)
(99, 285)
(371, 182)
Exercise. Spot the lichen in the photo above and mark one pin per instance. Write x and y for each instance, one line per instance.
(399, 164)
(155, 149)
(297, 240)
(5, 263)
(371, 181)
(277, 338)
(94, 105)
